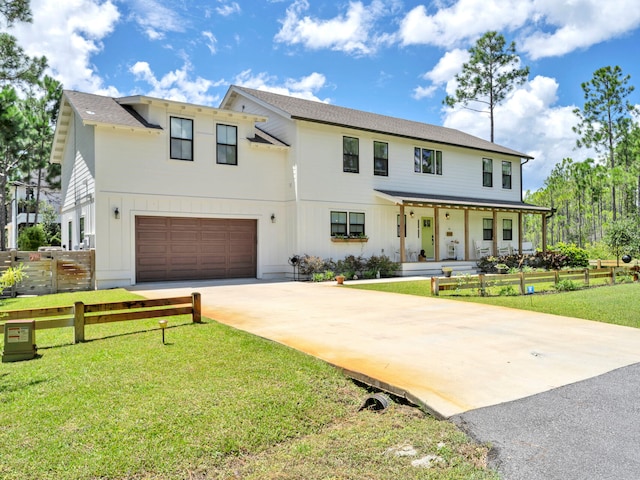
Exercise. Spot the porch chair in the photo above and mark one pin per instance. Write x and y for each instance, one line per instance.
(505, 249)
(481, 250)
(527, 248)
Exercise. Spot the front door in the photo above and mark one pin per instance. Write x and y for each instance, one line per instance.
(426, 232)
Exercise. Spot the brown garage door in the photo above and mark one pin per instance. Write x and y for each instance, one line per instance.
(171, 248)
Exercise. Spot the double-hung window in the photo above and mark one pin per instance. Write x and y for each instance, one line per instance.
(181, 138)
(226, 144)
(487, 229)
(507, 229)
(381, 158)
(347, 224)
(427, 161)
(487, 172)
(350, 155)
(506, 175)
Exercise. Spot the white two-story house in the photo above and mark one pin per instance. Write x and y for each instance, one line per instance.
(165, 190)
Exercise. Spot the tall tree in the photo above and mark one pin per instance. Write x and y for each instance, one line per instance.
(605, 119)
(490, 74)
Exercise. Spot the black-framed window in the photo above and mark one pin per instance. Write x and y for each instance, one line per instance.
(427, 161)
(506, 175)
(338, 224)
(354, 227)
(507, 229)
(398, 226)
(381, 158)
(350, 155)
(487, 172)
(181, 138)
(81, 236)
(226, 144)
(356, 224)
(70, 234)
(487, 229)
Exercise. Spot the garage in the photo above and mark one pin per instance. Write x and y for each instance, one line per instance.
(175, 248)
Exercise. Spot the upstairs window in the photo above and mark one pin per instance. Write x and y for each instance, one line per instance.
(226, 144)
(506, 175)
(487, 172)
(381, 159)
(350, 155)
(181, 138)
(487, 229)
(427, 161)
(507, 229)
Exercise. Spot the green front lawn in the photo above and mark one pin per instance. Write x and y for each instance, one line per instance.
(616, 304)
(213, 402)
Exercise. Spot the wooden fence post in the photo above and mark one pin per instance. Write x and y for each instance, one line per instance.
(586, 277)
(54, 273)
(195, 299)
(613, 275)
(435, 286)
(523, 288)
(481, 284)
(78, 322)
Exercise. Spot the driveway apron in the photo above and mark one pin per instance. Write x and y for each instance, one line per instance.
(450, 357)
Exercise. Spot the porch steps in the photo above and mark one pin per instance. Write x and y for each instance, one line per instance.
(434, 269)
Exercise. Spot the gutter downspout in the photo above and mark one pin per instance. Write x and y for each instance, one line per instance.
(544, 228)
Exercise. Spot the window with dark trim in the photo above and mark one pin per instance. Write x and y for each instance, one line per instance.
(350, 155)
(398, 226)
(381, 158)
(70, 234)
(507, 229)
(487, 229)
(181, 138)
(340, 227)
(427, 161)
(338, 224)
(81, 229)
(487, 172)
(226, 144)
(356, 224)
(506, 175)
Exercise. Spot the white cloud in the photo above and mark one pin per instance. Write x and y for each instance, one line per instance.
(529, 122)
(424, 92)
(155, 19)
(348, 32)
(176, 85)
(68, 33)
(580, 24)
(211, 41)
(227, 8)
(305, 87)
(448, 66)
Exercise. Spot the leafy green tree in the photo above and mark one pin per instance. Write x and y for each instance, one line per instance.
(50, 225)
(491, 73)
(623, 236)
(605, 119)
(31, 238)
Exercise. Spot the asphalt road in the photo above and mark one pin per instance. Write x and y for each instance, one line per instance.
(586, 430)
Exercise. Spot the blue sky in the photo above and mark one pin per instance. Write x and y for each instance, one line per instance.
(392, 57)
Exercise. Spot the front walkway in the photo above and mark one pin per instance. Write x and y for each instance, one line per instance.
(449, 356)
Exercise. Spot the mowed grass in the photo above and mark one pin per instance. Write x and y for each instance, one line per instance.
(213, 403)
(617, 304)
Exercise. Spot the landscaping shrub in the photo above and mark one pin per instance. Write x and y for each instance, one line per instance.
(566, 285)
(31, 238)
(351, 267)
(576, 256)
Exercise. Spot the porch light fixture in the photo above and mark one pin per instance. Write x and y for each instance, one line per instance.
(273, 218)
(116, 213)
(447, 216)
(411, 214)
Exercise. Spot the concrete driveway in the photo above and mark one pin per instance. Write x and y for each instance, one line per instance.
(450, 357)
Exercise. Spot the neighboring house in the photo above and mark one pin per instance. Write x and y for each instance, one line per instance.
(165, 190)
(22, 210)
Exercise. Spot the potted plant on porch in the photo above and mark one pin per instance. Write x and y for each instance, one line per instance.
(447, 271)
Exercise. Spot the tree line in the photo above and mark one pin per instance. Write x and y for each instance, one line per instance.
(594, 200)
(29, 103)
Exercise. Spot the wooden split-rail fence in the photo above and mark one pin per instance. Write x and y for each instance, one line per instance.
(80, 315)
(522, 280)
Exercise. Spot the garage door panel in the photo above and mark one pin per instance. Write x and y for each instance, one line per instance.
(171, 248)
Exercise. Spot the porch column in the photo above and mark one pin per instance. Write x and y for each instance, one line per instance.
(544, 233)
(520, 230)
(495, 233)
(436, 236)
(402, 229)
(466, 234)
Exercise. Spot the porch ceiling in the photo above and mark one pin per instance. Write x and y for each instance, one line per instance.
(447, 201)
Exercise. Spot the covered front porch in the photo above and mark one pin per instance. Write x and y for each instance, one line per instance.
(456, 231)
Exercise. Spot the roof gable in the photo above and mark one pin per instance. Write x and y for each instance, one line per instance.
(300, 109)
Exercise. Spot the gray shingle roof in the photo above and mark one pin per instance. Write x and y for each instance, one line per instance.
(333, 115)
(96, 109)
